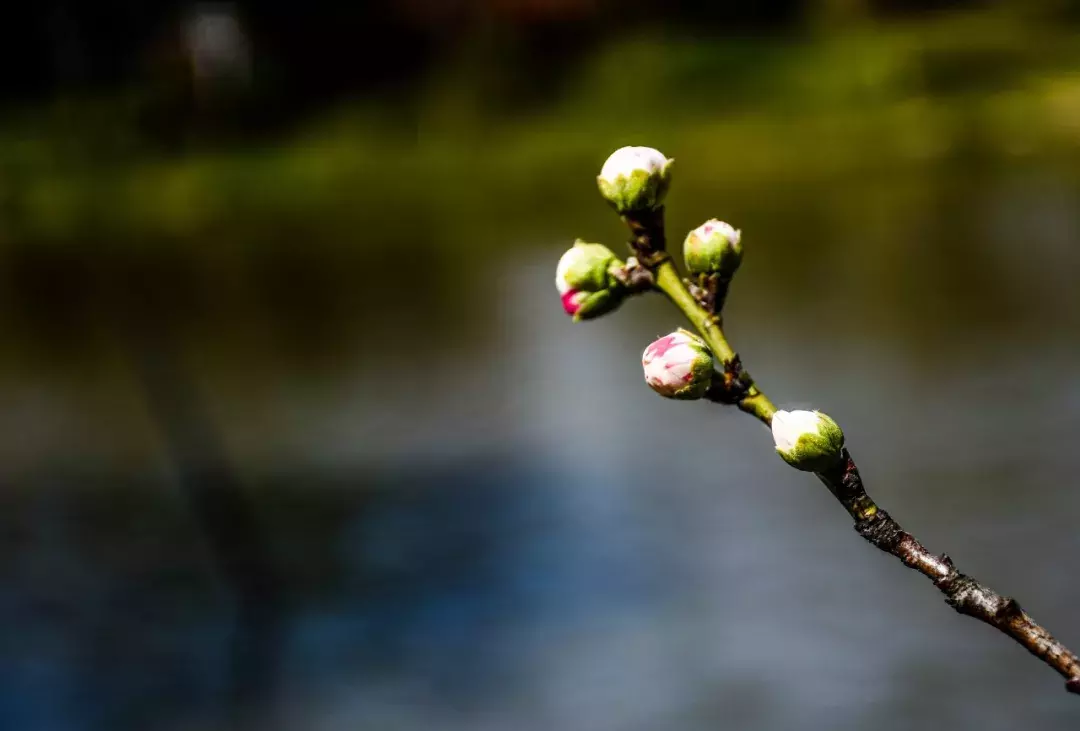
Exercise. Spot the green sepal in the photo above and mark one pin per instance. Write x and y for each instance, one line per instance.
(600, 303)
(593, 272)
(640, 191)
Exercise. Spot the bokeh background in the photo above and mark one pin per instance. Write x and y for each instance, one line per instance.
(296, 435)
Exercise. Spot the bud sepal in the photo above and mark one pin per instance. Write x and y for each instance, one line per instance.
(807, 440)
(679, 366)
(582, 305)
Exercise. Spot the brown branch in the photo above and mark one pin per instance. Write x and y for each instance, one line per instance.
(963, 593)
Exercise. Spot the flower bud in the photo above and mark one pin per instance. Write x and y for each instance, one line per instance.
(713, 248)
(807, 440)
(678, 366)
(582, 305)
(585, 267)
(635, 179)
(585, 282)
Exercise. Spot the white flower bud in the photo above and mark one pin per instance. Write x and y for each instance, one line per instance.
(713, 248)
(586, 267)
(635, 179)
(678, 366)
(807, 440)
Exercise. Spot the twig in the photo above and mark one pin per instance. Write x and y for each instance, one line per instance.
(734, 386)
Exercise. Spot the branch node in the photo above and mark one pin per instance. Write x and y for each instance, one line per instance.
(732, 384)
(1009, 609)
(950, 582)
(634, 276)
(648, 240)
(957, 588)
(710, 292)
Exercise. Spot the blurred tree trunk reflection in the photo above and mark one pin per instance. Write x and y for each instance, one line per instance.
(224, 512)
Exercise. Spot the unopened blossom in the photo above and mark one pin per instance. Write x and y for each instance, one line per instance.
(583, 305)
(678, 366)
(585, 281)
(635, 179)
(585, 266)
(807, 440)
(713, 248)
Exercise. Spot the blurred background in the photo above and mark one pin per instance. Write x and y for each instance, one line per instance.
(296, 435)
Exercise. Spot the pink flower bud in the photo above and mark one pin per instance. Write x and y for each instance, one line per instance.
(678, 366)
(582, 305)
(585, 281)
(572, 300)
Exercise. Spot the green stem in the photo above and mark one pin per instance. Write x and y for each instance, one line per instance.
(754, 402)
(667, 280)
